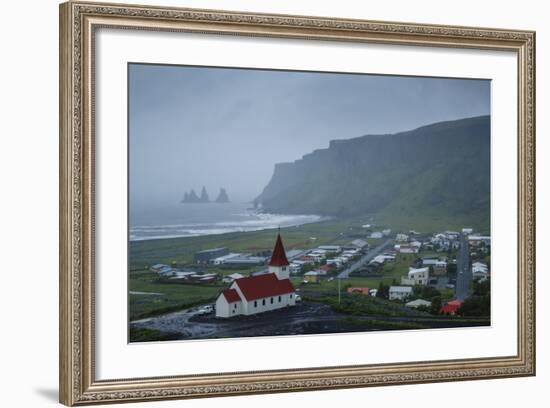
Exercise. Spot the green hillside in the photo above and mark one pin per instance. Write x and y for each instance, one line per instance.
(438, 170)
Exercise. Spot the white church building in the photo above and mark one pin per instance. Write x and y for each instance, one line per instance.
(260, 293)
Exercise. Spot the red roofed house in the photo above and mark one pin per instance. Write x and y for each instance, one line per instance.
(326, 268)
(361, 291)
(260, 293)
(451, 307)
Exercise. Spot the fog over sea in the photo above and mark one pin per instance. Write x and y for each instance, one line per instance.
(191, 220)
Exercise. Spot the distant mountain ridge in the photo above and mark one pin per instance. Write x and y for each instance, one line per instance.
(439, 169)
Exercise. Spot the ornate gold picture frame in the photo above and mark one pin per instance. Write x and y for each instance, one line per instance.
(78, 24)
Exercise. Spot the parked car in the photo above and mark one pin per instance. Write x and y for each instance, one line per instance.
(204, 310)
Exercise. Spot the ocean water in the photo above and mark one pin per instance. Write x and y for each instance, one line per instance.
(191, 220)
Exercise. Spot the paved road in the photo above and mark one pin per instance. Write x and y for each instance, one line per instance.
(463, 270)
(364, 259)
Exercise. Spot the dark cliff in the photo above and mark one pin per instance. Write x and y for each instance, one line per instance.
(439, 169)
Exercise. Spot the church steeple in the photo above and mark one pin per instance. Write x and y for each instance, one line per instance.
(279, 263)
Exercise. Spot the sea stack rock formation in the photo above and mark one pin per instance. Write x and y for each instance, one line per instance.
(204, 196)
(222, 196)
(191, 197)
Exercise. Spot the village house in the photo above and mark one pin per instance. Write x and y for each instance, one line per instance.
(183, 274)
(399, 292)
(406, 249)
(306, 260)
(312, 277)
(245, 260)
(293, 253)
(480, 275)
(429, 261)
(419, 276)
(316, 257)
(350, 253)
(418, 303)
(440, 268)
(452, 234)
(359, 291)
(389, 256)
(360, 243)
(326, 269)
(477, 240)
(260, 293)
(163, 270)
(157, 267)
(401, 237)
(203, 277)
(336, 262)
(232, 277)
(480, 271)
(381, 259)
(344, 258)
(480, 266)
(330, 248)
(221, 259)
(295, 267)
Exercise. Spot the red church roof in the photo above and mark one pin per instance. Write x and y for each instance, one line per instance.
(279, 255)
(263, 286)
(231, 295)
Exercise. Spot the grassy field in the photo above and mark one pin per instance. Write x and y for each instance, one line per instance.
(359, 305)
(181, 250)
(171, 297)
(335, 231)
(430, 224)
(164, 297)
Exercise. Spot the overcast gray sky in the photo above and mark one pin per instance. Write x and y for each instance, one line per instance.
(219, 127)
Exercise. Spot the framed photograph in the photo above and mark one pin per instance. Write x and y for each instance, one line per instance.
(256, 203)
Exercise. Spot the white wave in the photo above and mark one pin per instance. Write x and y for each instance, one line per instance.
(263, 221)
